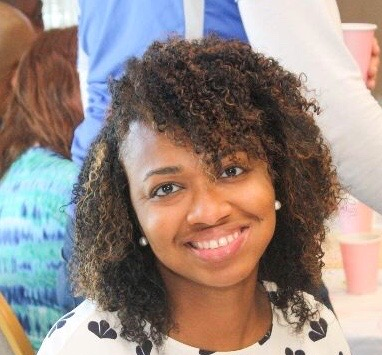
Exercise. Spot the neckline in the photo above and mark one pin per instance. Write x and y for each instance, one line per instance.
(174, 346)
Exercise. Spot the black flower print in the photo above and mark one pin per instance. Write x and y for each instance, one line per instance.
(60, 323)
(145, 349)
(319, 329)
(206, 352)
(102, 330)
(289, 351)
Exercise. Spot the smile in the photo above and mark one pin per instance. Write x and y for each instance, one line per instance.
(219, 249)
(215, 243)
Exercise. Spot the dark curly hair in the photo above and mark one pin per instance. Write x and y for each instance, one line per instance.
(217, 96)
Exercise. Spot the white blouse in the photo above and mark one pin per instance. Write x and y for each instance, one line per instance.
(90, 331)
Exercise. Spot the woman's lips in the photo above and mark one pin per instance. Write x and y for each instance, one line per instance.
(221, 248)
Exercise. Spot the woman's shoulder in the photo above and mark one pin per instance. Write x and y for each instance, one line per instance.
(47, 159)
(320, 334)
(42, 164)
(86, 330)
(272, 288)
(36, 188)
(312, 303)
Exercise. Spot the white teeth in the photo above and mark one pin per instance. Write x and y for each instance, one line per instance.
(214, 244)
(223, 242)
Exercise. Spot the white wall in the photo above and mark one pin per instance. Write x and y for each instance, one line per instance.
(60, 13)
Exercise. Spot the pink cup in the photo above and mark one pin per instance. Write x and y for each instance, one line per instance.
(360, 254)
(358, 38)
(355, 217)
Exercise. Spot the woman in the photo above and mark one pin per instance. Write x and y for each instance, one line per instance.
(16, 36)
(200, 212)
(36, 178)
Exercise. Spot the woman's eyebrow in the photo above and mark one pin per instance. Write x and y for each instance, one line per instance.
(163, 171)
(234, 156)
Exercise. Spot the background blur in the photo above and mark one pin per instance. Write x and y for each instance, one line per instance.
(62, 13)
(365, 11)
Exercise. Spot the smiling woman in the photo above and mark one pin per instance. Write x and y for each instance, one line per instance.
(180, 243)
(221, 221)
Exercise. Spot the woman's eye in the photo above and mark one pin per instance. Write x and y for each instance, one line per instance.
(232, 171)
(165, 190)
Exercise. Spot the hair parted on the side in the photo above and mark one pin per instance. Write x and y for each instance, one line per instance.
(216, 96)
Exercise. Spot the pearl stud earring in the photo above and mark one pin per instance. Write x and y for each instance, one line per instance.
(277, 205)
(143, 241)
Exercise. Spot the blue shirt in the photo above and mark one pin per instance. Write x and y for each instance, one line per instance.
(33, 194)
(112, 31)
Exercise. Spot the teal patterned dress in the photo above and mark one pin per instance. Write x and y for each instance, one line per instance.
(34, 195)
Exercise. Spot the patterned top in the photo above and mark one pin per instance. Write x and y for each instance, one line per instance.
(33, 222)
(88, 330)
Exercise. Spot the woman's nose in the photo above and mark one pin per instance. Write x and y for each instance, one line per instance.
(209, 206)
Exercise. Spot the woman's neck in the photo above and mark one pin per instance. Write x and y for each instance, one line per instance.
(220, 319)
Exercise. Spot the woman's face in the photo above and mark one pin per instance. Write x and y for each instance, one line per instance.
(204, 230)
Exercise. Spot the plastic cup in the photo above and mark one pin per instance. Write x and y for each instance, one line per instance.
(358, 38)
(355, 217)
(360, 254)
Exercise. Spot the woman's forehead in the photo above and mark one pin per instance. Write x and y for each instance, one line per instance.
(143, 140)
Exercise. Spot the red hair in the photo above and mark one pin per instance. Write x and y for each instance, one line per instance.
(45, 106)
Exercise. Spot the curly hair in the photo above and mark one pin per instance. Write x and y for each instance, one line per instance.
(217, 96)
(45, 105)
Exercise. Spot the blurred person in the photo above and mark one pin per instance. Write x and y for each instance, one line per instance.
(16, 36)
(32, 9)
(348, 107)
(192, 236)
(309, 40)
(36, 177)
